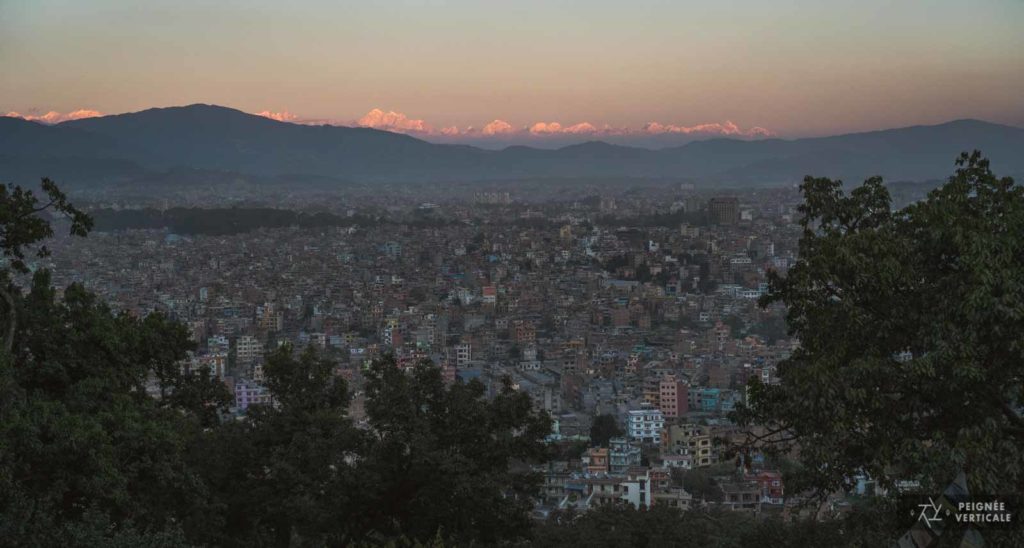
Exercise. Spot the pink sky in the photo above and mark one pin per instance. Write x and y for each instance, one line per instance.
(530, 70)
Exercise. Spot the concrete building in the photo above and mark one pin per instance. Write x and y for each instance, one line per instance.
(251, 393)
(622, 455)
(645, 425)
(673, 398)
(688, 439)
(595, 460)
(248, 350)
(724, 210)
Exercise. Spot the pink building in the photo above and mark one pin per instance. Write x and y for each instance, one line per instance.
(673, 398)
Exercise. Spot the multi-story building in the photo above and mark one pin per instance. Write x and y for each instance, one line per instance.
(525, 332)
(645, 425)
(770, 484)
(724, 210)
(741, 496)
(218, 344)
(251, 393)
(216, 364)
(673, 398)
(622, 455)
(248, 350)
(269, 318)
(489, 294)
(705, 399)
(595, 460)
(545, 390)
(688, 439)
(683, 462)
(636, 488)
(463, 354)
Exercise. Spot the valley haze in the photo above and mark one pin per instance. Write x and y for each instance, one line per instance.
(135, 146)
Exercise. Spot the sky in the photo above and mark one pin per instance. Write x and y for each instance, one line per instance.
(642, 72)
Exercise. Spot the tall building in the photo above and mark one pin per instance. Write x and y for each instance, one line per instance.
(463, 353)
(645, 425)
(688, 439)
(269, 318)
(622, 455)
(674, 398)
(248, 349)
(724, 210)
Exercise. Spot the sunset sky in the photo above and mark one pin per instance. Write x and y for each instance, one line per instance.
(526, 70)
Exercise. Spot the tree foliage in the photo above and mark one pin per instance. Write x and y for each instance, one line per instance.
(911, 355)
(107, 440)
(604, 428)
(662, 526)
(286, 471)
(21, 224)
(434, 442)
(80, 438)
(700, 483)
(85, 452)
(909, 367)
(300, 472)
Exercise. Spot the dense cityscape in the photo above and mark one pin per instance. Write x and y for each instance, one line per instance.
(641, 308)
(531, 274)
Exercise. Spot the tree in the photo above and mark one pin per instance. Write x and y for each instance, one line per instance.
(81, 442)
(286, 471)
(434, 462)
(662, 526)
(446, 459)
(21, 226)
(700, 483)
(771, 329)
(604, 428)
(164, 344)
(736, 325)
(911, 357)
(87, 457)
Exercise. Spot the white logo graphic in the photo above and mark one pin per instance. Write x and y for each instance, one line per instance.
(927, 518)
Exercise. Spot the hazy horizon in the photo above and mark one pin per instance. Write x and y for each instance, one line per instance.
(649, 73)
(519, 137)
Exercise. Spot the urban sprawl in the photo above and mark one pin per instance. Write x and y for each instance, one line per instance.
(639, 306)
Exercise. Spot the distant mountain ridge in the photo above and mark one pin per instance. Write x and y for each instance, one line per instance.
(209, 137)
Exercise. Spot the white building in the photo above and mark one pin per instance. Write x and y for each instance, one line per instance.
(636, 490)
(463, 353)
(645, 425)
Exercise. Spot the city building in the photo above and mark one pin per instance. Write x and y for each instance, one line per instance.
(724, 210)
(645, 425)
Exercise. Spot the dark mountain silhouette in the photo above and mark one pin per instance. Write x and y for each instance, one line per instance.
(205, 137)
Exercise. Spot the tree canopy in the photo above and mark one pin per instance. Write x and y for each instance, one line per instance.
(909, 321)
(909, 367)
(107, 437)
(662, 526)
(604, 428)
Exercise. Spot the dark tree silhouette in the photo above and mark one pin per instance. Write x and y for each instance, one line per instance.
(22, 226)
(911, 359)
(604, 428)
